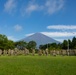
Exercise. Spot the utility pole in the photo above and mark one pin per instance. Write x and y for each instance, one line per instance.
(47, 45)
(68, 44)
(68, 41)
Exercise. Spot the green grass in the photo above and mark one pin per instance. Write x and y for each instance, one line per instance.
(37, 65)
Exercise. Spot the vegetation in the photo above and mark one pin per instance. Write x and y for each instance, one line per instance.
(20, 44)
(31, 45)
(37, 65)
(6, 44)
(63, 45)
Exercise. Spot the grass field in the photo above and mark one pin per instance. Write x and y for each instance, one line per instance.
(37, 65)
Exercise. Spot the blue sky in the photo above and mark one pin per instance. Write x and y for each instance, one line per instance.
(54, 18)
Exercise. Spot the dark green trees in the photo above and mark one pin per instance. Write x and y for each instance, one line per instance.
(65, 44)
(31, 45)
(74, 43)
(5, 43)
(20, 44)
(71, 44)
(10, 44)
(51, 46)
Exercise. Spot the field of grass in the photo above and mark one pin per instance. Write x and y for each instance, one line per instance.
(37, 65)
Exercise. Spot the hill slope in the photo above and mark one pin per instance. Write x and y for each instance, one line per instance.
(40, 39)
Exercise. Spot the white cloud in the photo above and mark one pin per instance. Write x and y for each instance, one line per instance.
(12, 38)
(18, 27)
(48, 6)
(31, 7)
(53, 6)
(59, 34)
(71, 27)
(9, 6)
(60, 40)
(29, 34)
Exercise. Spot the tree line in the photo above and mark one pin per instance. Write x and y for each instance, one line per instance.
(71, 44)
(6, 44)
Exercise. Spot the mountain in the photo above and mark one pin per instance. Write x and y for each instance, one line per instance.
(40, 39)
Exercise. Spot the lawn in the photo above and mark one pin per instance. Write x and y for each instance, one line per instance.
(37, 65)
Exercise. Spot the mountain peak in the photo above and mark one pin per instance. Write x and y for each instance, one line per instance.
(40, 39)
(38, 33)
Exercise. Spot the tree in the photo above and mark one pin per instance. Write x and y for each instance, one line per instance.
(10, 44)
(65, 44)
(53, 46)
(6, 44)
(43, 47)
(20, 44)
(3, 41)
(59, 46)
(74, 43)
(31, 45)
(70, 44)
